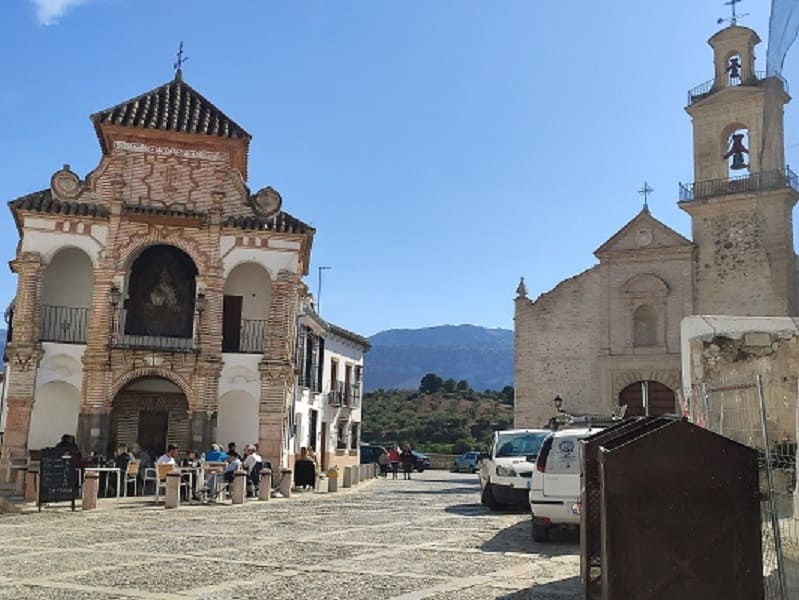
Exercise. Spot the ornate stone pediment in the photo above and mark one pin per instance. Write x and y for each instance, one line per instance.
(643, 233)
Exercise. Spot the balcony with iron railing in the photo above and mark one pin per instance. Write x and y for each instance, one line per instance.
(250, 338)
(703, 89)
(753, 182)
(64, 324)
(345, 395)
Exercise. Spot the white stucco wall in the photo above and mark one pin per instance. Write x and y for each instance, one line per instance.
(253, 283)
(240, 372)
(61, 362)
(55, 412)
(41, 236)
(68, 279)
(346, 353)
(237, 419)
(272, 260)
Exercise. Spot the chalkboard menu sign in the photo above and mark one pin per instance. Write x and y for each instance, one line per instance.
(58, 476)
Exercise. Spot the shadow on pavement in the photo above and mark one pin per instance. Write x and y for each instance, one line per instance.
(518, 538)
(472, 480)
(457, 490)
(565, 589)
(468, 510)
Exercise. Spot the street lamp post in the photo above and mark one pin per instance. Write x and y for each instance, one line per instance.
(319, 291)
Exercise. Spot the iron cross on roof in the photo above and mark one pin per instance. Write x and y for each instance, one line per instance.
(645, 191)
(732, 20)
(178, 64)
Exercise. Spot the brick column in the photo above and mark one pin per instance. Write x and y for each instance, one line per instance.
(277, 368)
(24, 352)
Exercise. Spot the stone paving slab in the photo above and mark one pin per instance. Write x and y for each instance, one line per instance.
(405, 540)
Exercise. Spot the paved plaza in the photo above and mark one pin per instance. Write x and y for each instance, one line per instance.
(425, 538)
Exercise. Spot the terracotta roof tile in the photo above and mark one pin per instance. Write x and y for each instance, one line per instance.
(44, 202)
(282, 222)
(174, 106)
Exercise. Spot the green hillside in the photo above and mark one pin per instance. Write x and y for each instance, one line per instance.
(446, 422)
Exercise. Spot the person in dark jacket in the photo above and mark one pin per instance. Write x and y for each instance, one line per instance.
(407, 460)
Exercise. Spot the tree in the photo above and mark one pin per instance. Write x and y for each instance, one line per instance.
(449, 385)
(431, 384)
(463, 386)
(507, 394)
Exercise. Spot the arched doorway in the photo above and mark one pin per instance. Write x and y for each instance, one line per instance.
(67, 286)
(660, 399)
(55, 412)
(161, 293)
(248, 294)
(151, 412)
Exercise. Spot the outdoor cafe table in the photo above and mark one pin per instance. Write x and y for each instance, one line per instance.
(109, 470)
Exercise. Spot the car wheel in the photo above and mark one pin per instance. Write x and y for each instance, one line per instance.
(472, 470)
(540, 532)
(487, 497)
(420, 468)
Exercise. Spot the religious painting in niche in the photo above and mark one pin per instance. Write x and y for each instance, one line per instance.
(645, 325)
(161, 294)
(737, 146)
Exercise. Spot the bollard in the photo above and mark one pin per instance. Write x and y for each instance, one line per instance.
(31, 486)
(91, 483)
(265, 485)
(321, 484)
(347, 481)
(239, 487)
(172, 497)
(332, 480)
(285, 483)
(375, 470)
(356, 474)
(21, 473)
(362, 473)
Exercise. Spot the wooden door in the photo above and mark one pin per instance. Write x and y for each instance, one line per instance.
(152, 431)
(231, 323)
(322, 454)
(661, 399)
(312, 431)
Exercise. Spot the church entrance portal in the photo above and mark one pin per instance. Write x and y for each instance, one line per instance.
(647, 398)
(151, 412)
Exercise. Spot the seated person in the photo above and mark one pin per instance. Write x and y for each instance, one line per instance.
(216, 454)
(168, 458)
(231, 447)
(190, 460)
(251, 457)
(233, 465)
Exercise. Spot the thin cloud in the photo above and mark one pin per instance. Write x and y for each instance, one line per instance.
(48, 12)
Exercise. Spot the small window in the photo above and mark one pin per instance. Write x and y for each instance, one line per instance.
(341, 437)
(354, 434)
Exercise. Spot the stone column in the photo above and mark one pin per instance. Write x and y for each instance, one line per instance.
(24, 353)
(94, 420)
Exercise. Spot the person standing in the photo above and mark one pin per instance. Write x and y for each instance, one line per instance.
(394, 461)
(407, 459)
(383, 462)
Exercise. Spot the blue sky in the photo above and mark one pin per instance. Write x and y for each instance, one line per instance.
(441, 148)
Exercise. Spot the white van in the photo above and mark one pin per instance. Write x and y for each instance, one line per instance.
(555, 484)
(506, 470)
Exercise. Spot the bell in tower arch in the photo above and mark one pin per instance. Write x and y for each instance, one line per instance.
(737, 151)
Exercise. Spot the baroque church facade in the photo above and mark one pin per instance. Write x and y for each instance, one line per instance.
(159, 298)
(610, 336)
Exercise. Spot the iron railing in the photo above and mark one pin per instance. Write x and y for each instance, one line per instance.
(65, 324)
(703, 89)
(251, 338)
(154, 342)
(754, 182)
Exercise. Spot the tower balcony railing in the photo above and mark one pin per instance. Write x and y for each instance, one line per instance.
(251, 338)
(703, 89)
(64, 324)
(147, 341)
(754, 182)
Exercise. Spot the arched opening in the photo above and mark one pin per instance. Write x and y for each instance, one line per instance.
(161, 293)
(733, 69)
(151, 412)
(647, 398)
(237, 419)
(67, 286)
(736, 152)
(248, 294)
(645, 326)
(56, 406)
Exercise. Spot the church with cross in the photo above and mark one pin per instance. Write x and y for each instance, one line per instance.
(609, 338)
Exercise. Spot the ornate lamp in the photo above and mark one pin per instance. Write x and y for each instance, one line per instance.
(114, 295)
(202, 303)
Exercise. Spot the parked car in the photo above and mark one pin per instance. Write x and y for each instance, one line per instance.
(555, 484)
(506, 469)
(369, 454)
(466, 462)
(422, 461)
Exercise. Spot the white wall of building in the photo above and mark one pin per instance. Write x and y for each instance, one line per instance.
(345, 353)
(61, 362)
(41, 236)
(55, 412)
(272, 260)
(237, 419)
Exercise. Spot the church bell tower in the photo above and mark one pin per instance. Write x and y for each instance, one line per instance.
(742, 198)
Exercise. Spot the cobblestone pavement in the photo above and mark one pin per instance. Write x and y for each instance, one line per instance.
(405, 540)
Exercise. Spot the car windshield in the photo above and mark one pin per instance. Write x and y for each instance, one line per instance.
(519, 444)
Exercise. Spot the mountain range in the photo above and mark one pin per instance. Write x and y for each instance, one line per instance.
(399, 358)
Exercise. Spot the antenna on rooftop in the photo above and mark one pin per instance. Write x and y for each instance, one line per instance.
(732, 20)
